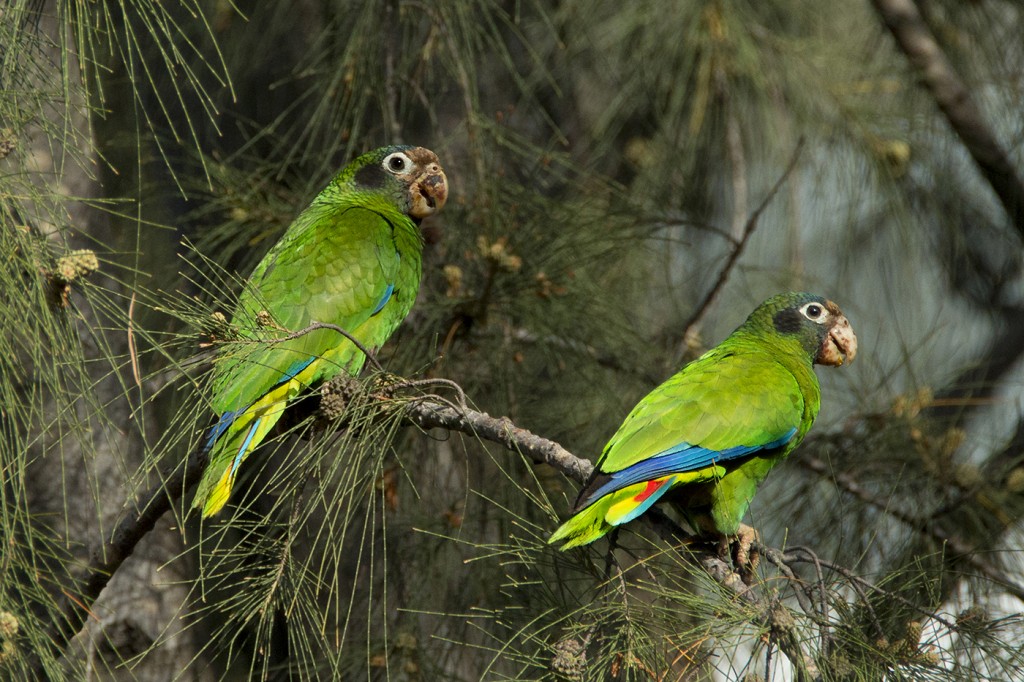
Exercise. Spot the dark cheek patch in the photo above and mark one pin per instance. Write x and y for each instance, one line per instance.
(371, 177)
(788, 321)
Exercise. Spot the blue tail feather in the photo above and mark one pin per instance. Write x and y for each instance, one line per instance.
(225, 420)
(679, 459)
(245, 446)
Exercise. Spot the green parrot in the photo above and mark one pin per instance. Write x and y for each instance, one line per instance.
(352, 259)
(708, 436)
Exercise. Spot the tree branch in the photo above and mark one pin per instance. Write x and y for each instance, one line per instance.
(915, 39)
(138, 520)
(431, 412)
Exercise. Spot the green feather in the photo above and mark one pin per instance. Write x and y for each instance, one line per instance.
(713, 431)
(351, 259)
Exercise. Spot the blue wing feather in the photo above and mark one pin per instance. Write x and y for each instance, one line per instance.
(223, 422)
(384, 299)
(228, 418)
(679, 459)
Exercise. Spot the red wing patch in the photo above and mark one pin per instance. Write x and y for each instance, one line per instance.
(651, 488)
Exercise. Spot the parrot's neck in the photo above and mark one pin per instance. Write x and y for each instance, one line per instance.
(789, 352)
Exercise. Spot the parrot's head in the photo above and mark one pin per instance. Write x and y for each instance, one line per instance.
(412, 176)
(815, 322)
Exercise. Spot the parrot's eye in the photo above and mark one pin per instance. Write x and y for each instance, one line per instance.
(813, 312)
(397, 162)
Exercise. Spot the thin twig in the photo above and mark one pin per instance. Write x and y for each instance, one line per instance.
(313, 326)
(774, 557)
(812, 557)
(957, 546)
(819, 575)
(740, 244)
(420, 383)
(801, 554)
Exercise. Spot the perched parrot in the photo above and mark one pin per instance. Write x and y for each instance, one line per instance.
(352, 258)
(708, 436)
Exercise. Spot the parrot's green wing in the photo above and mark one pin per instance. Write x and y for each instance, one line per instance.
(716, 427)
(338, 280)
(352, 259)
(729, 405)
(734, 396)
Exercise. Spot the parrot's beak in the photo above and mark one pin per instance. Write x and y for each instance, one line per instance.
(429, 192)
(840, 345)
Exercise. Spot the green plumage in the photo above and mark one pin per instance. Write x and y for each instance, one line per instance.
(351, 259)
(710, 434)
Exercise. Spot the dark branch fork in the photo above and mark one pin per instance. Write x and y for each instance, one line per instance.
(914, 38)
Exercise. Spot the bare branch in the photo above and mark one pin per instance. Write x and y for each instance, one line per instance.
(139, 518)
(430, 414)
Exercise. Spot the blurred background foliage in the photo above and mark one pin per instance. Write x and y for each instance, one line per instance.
(605, 160)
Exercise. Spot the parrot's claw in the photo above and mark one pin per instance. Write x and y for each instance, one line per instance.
(744, 555)
(724, 541)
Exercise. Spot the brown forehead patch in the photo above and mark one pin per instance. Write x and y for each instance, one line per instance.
(422, 156)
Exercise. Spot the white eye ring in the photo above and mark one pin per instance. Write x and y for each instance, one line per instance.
(814, 311)
(397, 163)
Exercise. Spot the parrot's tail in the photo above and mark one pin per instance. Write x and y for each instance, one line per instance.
(231, 443)
(614, 509)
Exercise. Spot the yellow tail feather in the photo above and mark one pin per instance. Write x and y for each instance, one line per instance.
(260, 419)
(218, 497)
(611, 510)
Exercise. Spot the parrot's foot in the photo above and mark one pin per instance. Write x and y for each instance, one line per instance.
(744, 555)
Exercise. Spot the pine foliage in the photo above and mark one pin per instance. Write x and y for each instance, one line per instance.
(628, 180)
